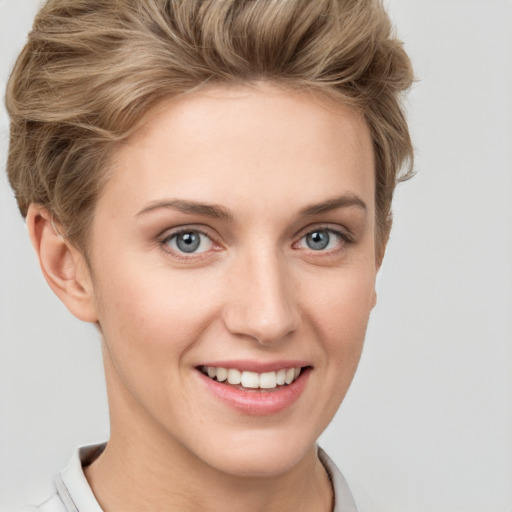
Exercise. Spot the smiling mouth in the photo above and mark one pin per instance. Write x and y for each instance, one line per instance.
(253, 381)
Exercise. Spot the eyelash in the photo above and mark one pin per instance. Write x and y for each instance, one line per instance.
(345, 240)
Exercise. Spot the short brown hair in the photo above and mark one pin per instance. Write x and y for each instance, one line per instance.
(91, 70)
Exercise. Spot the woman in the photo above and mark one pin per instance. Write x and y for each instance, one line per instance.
(210, 183)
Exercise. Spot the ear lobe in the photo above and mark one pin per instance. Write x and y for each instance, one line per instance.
(63, 266)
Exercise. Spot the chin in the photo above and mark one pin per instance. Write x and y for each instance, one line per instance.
(259, 454)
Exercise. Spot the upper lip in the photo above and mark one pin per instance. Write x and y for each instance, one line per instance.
(257, 366)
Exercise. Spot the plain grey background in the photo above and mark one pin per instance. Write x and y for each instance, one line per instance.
(427, 424)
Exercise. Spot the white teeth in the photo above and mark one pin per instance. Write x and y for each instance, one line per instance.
(250, 380)
(253, 380)
(222, 374)
(290, 374)
(234, 376)
(268, 380)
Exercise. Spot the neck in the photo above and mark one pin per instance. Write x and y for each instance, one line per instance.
(132, 477)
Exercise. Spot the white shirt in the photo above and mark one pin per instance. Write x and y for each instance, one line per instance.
(73, 493)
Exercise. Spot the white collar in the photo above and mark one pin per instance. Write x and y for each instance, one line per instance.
(72, 486)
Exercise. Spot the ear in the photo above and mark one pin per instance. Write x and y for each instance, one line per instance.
(64, 267)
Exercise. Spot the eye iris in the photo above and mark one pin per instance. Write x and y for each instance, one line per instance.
(318, 240)
(188, 242)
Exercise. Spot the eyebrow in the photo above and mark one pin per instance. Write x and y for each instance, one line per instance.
(209, 210)
(216, 211)
(335, 203)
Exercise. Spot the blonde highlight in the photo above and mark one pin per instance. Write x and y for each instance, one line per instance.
(92, 69)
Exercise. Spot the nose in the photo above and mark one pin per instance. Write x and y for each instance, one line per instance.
(261, 301)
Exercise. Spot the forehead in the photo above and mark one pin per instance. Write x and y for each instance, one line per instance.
(234, 144)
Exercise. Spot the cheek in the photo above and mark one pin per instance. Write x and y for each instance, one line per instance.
(150, 322)
(156, 314)
(343, 302)
(339, 311)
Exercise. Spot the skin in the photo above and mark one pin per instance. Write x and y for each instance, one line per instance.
(254, 291)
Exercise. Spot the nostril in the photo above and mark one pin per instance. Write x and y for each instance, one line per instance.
(260, 304)
(267, 327)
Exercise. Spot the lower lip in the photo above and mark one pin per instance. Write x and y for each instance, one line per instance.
(258, 402)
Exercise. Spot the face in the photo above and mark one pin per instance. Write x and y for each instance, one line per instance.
(233, 269)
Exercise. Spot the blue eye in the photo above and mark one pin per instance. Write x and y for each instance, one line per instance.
(189, 242)
(321, 239)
